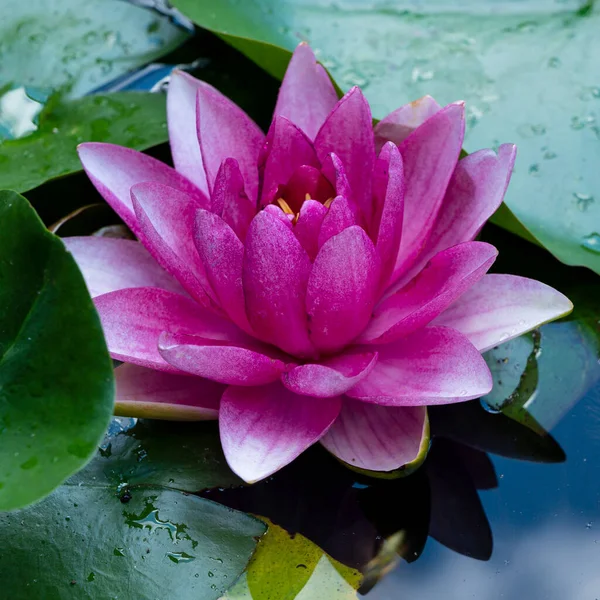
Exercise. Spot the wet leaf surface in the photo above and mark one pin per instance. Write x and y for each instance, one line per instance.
(76, 45)
(100, 536)
(527, 71)
(56, 382)
(133, 119)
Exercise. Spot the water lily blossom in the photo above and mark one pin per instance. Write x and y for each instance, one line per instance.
(317, 283)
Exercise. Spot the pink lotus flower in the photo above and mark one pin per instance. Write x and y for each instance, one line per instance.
(320, 282)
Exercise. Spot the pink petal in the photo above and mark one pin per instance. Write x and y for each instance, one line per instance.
(229, 200)
(115, 169)
(341, 289)
(166, 220)
(226, 131)
(340, 216)
(333, 169)
(222, 253)
(448, 275)
(377, 438)
(133, 319)
(183, 136)
(501, 307)
(230, 364)
(275, 274)
(388, 197)
(149, 394)
(474, 193)
(287, 148)
(331, 377)
(348, 132)
(265, 428)
(308, 226)
(435, 365)
(430, 154)
(306, 95)
(110, 264)
(398, 125)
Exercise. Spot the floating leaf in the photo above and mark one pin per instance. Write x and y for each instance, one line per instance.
(96, 538)
(288, 567)
(183, 456)
(528, 73)
(56, 383)
(78, 45)
(133, 119)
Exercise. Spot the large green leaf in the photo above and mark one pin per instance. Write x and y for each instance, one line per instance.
(97, 538)
(134, 119)
(56, 383)
(78, 44)
(527, 70)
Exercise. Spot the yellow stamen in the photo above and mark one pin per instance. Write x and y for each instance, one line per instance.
(307, 196)
(328, 202)
(285, 207)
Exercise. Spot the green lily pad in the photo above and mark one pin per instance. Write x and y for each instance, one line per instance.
(527, 71)
(94, 538)
(183, 456)
(56, 382)
(287, 567)
(78, 45)
(133, 119)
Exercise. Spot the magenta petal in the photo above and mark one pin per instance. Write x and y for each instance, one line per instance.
(229, 199)
(287, 148)
(448, 275)
(429, 154)
(330, 377)
(348, 132)
(474, 193)
(115, 169)
(333, 169)
(133, 319)
(308, 226)
(183, 136)
(306, 95)
(398, 125)
(435, 365)
(501, 307)
(275, 274)
(150, 394)
(377, 438)
(110, 264)
(341, 289)
(265, 428)
(388, 197)
(230, 364)
(222, 253)
(340, 216)
(226, 131)
(166, 220)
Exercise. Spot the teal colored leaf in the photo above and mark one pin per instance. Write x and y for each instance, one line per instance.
(133, 119)
(77, 45)
(94, 538)
(56, 382)
(527, 70)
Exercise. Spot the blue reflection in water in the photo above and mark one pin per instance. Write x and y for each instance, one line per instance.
(546, 525)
